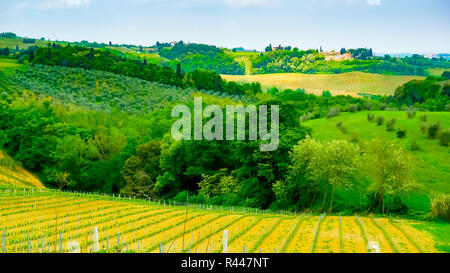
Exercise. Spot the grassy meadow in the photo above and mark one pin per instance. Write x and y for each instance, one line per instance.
(7, 64)
(12, 43)
(431, 165)
(353, 83)
(437, 71)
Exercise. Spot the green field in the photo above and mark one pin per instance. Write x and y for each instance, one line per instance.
(353, 83)
(6, 64)
(12, 43)
(431, 163)
(244, 58)
(437, 71)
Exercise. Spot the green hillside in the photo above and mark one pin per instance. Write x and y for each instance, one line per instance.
(431, 161)
(95, 90)
(11, 43)
(353, 83)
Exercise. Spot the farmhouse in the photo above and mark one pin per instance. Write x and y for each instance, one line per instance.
(336, 56)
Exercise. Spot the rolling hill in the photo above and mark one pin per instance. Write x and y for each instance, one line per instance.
(353, 83)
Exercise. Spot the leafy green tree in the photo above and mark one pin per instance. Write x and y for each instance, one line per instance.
(341, 161)
(141, 171)
(220, 183)
(91, 54)
(302, 183)
(3, 139)
(391, 169)
(316, 166)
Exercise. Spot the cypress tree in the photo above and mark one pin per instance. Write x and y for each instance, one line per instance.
(31, 56)
(179, 70)
(91, 54)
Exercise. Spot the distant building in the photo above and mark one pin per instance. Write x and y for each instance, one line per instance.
(336, 56)
(347, 56)
(432, 56)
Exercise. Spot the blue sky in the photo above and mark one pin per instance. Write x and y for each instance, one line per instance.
(392, 26)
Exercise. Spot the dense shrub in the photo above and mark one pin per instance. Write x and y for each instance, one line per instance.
(390, 124)
(424, 118)
(414, 146)
(333, 112)
(22, 59)
(424, 127)
(354, 137)
(411, 113)
(446, 74)
(370, 117)
(401, 133)
(392, 109)
(368, 106)
(444, 137)
(305, 117)
(433, 130)
(447, 108)
(380, 120)
(29, 41)
(440, 206)
(383, 106)
(341, 127)
(353, 108)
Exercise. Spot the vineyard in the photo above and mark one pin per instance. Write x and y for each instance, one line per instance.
(12, 175)
(354, 83)
(39, 220)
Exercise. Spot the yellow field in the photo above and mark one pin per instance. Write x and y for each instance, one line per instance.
(353, 240)
(15, 176)
(8, 63)
(338, 84)
(41, 220)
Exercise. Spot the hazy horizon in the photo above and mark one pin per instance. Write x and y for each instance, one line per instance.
(386, 26)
